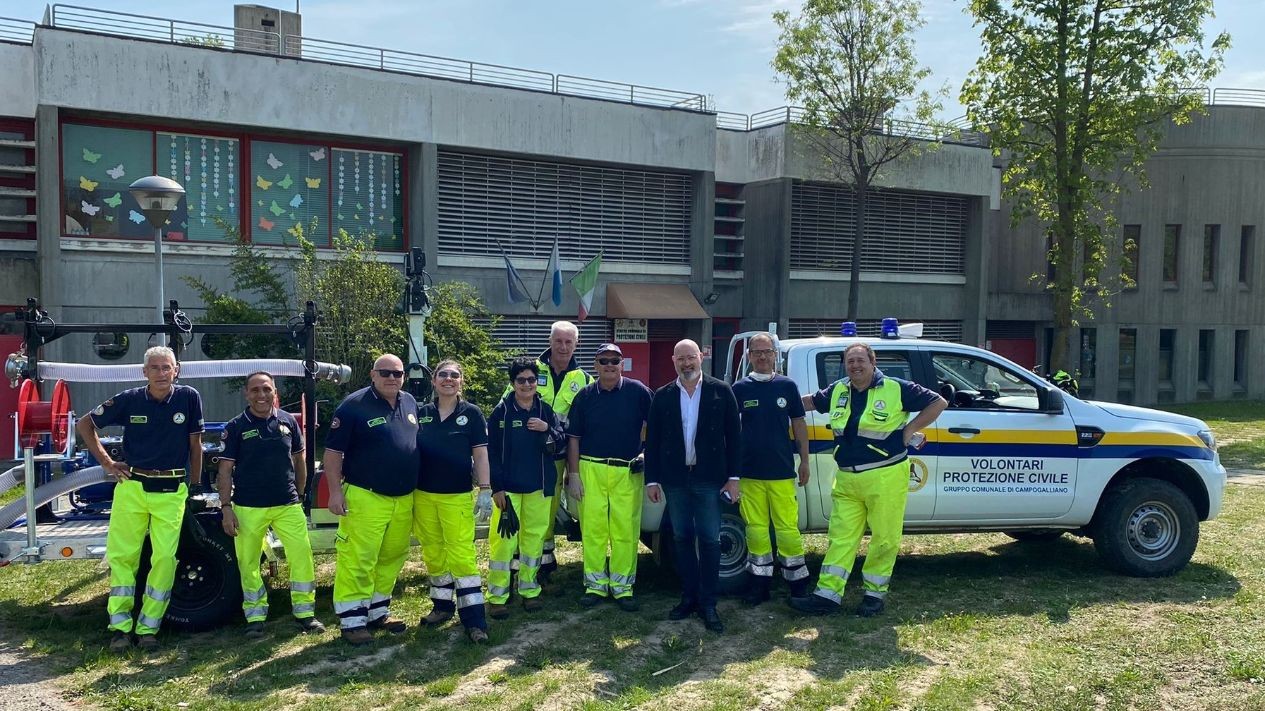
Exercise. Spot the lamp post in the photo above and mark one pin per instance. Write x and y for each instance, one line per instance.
(158, 198)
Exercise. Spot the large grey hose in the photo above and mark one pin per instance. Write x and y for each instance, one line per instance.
(96, 373)
(57, 487)
(11, 478)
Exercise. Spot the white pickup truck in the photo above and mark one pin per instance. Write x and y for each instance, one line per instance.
(1012, 453)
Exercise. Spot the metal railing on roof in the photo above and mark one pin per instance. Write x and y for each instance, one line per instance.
(896, 127)
(15, 30)
(1238, 97)
(194, 33)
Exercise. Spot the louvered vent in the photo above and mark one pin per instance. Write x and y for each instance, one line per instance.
(905, 232)
(630, 215)
(530, 335)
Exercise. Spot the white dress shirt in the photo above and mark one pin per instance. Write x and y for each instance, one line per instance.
(689, 419)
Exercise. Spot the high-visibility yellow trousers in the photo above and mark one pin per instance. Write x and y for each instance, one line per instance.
(371, 545)
(444, 525)
(610, 516)
(290, 525)
(548, 561)
(532, 510)
(133, 514)
(764, 501)
(876, 497)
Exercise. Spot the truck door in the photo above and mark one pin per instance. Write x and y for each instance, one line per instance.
(826, 367)
(1000, 455)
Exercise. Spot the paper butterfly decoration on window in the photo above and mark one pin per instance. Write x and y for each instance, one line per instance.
(116, 172)
(89, 210)
(313, 182)
(90, 156)
(298, 200)
(135, 216)
(285, 182)
(318, 154)
(276, 209)
(114, 200)
(273, 162)
(86, 184)
(263, 184)
(266, 224)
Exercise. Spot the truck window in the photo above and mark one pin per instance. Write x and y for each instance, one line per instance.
(968, 382)
(830, 366)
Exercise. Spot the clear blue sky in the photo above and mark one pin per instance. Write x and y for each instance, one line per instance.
(717, 47)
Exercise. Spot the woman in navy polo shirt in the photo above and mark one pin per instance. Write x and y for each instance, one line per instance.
(452, 439)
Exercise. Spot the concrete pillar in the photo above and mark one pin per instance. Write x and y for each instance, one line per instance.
(1147, 367)
(974, 316)
(423, 201)
(1222, 370)
(1255, 352)
(1186, 364)
(702, 248)
(48, 260)
(1107, 383)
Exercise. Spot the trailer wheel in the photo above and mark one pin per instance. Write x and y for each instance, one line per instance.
(207, 591)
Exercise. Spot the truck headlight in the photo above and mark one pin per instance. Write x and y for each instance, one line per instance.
(1209, 440)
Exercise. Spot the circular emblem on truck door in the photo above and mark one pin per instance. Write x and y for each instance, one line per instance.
(917, 475)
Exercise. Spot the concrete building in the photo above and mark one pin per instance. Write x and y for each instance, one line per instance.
(705, 229)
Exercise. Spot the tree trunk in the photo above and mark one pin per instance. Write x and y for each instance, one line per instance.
(860, 188)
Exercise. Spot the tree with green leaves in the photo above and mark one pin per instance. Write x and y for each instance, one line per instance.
(460, 327)
(1075, 94)
(851, 65)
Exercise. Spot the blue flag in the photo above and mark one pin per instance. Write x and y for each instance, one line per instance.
(517, 292)
(553, 272)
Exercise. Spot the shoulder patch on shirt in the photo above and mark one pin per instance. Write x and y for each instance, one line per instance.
(377, 421)
(109, 403)
(462, 419)
(139, 420)
(333, 424)
(285, 430)
(178, 418)
(575, 387)
(250, 433)
(412, 418)
(100, 410)
(224, 435)
(781, 402)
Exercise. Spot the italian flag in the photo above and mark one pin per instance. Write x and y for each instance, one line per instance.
(585, 283)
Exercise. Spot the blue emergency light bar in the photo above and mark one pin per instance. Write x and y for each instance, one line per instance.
(890, 328)
(848, 328)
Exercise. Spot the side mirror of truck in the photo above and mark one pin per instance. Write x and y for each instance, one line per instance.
(1050, 400)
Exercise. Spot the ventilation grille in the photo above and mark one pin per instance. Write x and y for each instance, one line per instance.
(628, 215)
(905, 232)
(530, 335)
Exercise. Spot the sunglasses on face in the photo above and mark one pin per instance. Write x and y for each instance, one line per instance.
(530, 380)
(388, 373)
(448, 375)
(609, 361)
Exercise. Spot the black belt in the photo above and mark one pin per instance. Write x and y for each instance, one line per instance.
(611, 462)
(157, 473)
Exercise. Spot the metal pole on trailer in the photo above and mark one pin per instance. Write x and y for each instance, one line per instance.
(309, 405)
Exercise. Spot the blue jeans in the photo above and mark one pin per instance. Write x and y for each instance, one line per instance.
(694, 510)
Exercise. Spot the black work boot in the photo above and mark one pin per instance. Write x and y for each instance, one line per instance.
(757, 589)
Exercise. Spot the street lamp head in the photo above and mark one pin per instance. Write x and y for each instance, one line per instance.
(157, 196)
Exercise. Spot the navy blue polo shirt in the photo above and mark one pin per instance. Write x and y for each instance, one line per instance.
(155, 432)
(767, 408)
(850, 451)
(378, 442)
(608, 423)
(517, 457)
(445, 447)
(261, 449)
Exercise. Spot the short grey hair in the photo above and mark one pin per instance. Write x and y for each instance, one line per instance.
(762, 334)
(160, 352)
(566, 326)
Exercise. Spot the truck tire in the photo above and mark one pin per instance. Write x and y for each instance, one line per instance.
(733, 550)
(1145, 528)
(207, 591)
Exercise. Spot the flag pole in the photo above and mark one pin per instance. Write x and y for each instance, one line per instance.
(535, 305)
(544, 279)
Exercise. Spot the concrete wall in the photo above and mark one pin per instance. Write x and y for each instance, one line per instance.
(17, 80)
(751, 156)
(133, 77)
(937, 168)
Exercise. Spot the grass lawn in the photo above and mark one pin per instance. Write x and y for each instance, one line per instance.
(974, 622)
(1239, 426)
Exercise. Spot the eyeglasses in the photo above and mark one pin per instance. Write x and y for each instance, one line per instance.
(448, 375)
(609, 361)
(531, 380)
(388, 373)
(762, 351)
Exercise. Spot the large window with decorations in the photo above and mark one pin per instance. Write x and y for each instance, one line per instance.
(263, 188)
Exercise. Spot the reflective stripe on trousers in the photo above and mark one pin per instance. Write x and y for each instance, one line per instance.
(772, 502)
(134, 515)
(875, 498)
(532, 510)
(290, 525)
(372, 544)
(444, 526)
(610, 517)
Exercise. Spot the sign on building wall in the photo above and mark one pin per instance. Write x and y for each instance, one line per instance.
(631, 330)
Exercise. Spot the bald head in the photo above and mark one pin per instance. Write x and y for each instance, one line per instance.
(388, 386)
(688, 360)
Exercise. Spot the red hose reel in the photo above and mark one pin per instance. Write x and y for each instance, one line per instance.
(37, 418)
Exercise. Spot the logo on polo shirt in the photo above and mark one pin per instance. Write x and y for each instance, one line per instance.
(109, 403)
(518, 423)
(880, 405)
(377, 421)
(412, 418)
(224, 435)
(333, 424)
(427, 420)
(250, 433)
(750, 403)
(285, 430)
(100, 410)
(781, 402)
(462, 420)
(178, 418)
(139, 420)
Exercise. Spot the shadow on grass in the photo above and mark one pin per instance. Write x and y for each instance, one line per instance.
(627, 658)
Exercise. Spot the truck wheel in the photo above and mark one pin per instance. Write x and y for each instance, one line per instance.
(207, 591)
(1146, 528)
(733, 552)
(1035, 535)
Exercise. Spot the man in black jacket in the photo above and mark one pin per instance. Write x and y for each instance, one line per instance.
(692, 457)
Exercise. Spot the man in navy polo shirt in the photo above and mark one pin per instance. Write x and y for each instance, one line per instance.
(162, 443)
(371, 459)
(770, 406)
(261, 478)
(606, 428)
